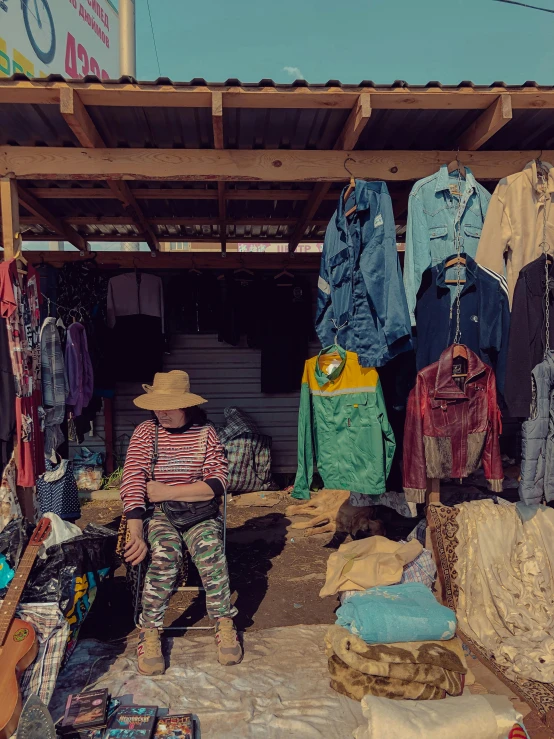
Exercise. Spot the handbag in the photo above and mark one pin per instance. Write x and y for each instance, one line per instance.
(181, 514)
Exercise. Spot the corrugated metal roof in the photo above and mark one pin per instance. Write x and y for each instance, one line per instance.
(263, 127)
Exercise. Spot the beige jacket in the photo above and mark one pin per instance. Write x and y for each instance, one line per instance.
(513, 229)
(367, 563)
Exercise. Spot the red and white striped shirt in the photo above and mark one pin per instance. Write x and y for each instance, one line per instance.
(195, 455)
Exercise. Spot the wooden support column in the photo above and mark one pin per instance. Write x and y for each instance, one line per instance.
(219, 143)
(357, 121)
(495, 117)
(78, 119)
(11, 235)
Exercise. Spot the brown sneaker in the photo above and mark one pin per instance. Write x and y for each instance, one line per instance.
(229, 649)
(149, 653)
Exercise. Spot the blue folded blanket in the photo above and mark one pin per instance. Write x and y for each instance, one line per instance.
(397, 613)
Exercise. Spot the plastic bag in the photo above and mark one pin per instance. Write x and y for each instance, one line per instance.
(69, 575)
(88, 468)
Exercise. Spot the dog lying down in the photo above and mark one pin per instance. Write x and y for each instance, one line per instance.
(332, 513)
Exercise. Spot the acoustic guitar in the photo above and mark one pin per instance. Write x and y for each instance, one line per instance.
(18, 642)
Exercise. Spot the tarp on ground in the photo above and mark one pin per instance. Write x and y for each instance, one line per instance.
(281, 689)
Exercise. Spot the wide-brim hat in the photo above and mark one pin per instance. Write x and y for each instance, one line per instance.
(170, 391)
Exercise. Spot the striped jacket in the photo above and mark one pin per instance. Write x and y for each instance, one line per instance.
(192, 456)
(343, 424)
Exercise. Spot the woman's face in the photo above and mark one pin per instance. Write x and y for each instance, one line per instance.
(171, 419)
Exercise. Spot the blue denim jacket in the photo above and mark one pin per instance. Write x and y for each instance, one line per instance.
(432, 219)
(361, 301)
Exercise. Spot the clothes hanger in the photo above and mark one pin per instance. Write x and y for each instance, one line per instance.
(460, 352)
(193, 270)
(284, 273)
(456, 164)
(20, 260)
(459, 259)
(243, 271)
(351, 187)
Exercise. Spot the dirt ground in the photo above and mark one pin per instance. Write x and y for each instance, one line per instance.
(276, 573)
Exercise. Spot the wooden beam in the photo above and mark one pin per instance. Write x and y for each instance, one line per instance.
(67, 232)
(174, 193)
(179, 238)
(497, 115)
(219, 143)
(183, 260)
(169, 221)
(53, 163)
(353, 128)
(76, 116)
(11, 235)
(120, 95)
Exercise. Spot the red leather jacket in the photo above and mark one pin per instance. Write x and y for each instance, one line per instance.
(450, 430)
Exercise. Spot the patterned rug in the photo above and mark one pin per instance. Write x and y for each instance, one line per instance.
(444, 529)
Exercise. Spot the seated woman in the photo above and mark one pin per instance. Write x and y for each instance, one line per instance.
(177, 456)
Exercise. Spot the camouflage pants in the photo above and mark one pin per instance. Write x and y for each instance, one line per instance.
(205, 544)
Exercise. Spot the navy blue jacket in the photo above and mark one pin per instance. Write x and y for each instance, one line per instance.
(484, 316)
(361, 299)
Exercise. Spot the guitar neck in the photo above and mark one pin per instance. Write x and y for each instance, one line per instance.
(11, 601)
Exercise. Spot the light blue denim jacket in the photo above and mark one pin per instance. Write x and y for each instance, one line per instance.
(432, 219)
(361, 302)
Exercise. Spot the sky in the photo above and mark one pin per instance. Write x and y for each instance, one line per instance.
(318, 40)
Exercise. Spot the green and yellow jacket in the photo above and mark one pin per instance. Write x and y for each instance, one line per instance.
(343, 422)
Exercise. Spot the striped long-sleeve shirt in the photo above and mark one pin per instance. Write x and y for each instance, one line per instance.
(194, 455)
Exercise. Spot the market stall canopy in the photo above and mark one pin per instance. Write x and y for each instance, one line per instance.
(160, 161)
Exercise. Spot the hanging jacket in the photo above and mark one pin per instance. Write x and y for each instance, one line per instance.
(484, 315)
(361, 302)
(433, 219)
(79, 369)
(537, 449)
(343, 423)
(514, 226)
(526, 342)
(55, 386)
(450, 429)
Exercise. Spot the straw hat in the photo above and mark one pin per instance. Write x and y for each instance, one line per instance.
(170, 391)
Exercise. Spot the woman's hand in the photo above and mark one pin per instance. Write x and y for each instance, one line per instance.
(136, 548)
(157, 492)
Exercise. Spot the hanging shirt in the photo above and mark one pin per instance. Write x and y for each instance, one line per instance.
(20, 305)
(343, 423)
(526, 343)
(133, 294)
(79, 369)
(514, 227)
(484, 315)
(436, 211)
(361, 302)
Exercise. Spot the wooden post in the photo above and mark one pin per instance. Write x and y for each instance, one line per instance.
(10, 217)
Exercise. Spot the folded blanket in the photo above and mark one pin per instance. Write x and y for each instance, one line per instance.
(467, 716)
(356, 685)
(397, 613)
(432, 663)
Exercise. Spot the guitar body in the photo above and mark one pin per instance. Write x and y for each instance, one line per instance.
(16, 654)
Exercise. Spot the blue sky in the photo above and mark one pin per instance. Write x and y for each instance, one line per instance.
(380, 40)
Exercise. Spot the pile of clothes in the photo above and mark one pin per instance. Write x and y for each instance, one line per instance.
(392, 638)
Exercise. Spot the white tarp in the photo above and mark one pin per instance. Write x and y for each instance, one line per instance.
(281, 689)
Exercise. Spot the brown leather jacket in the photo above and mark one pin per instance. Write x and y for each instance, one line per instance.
(450, 430)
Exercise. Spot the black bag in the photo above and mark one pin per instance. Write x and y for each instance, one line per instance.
(180, 514)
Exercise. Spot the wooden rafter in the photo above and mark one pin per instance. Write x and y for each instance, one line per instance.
(353, 128)
(78, 119)
(495, 117)
(219, 143)
(174, 193)
(62, 163)
(37, 209)
(168, 221)
(401, 98)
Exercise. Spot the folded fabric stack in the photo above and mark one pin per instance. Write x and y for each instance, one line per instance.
(406, 612)
(422, 670)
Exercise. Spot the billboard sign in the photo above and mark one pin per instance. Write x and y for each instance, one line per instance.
(68, 37)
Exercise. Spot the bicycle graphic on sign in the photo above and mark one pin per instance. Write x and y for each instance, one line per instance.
(39, 25)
